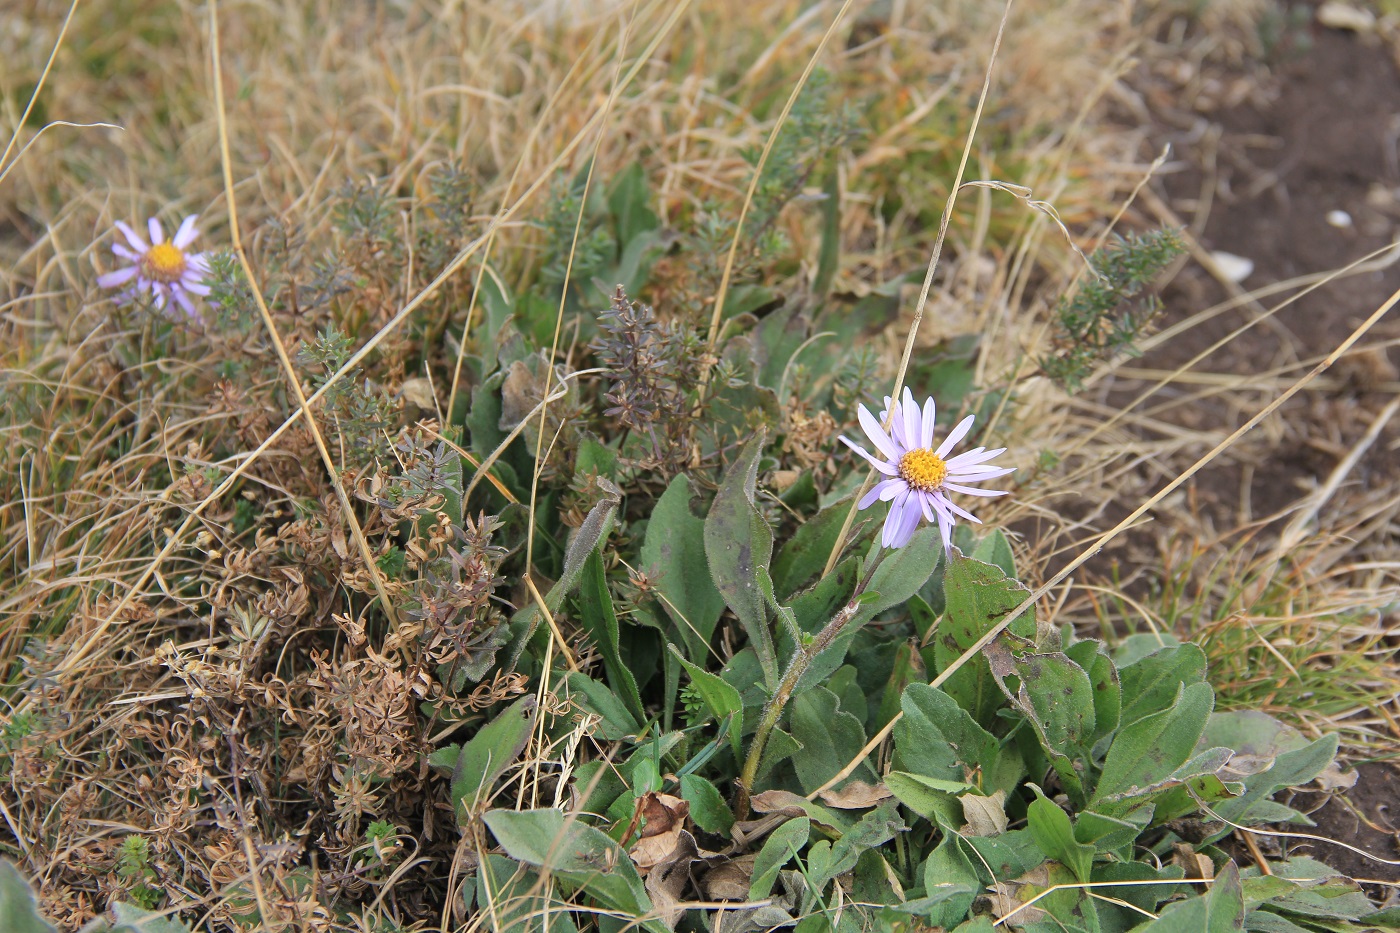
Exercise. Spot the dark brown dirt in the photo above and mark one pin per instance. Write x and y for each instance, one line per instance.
(1314, 135)
(1271, 172)
(1367, 817)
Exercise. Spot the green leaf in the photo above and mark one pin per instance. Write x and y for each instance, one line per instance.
(1252, 732)
(593, 457)
(1051, 829)
(600, 621)
(1266, 921)
(707, 806)
(995, 549)
(629, 203)
(933, 798)
(517, 900)
(775, 341)
(938, 738)
(675, 549)
(573, 852)
(1103, 675)
(778, 849)
(498, 306)
(617, 723)
(898, 577)
(483, 418)
(946, 869)
(1219, 910)
(804, 555)
(873, 830)
(1143, 896)
(487, 754)
(1070, 907)
(720, 698)
(1009, 855)
(978, 596)
(1152, 748)
(19, 913)
(738, 542)
(1388, 919)
(1151, 684)
(1139, 645)
(1108, 833)
(585, 539)
(830, 738)
(128, 918)
(1058, 699)
(908, 668)
(829, 254)
(1290, 769)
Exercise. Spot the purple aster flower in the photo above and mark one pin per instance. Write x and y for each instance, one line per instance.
(918, 476)
(162, 267)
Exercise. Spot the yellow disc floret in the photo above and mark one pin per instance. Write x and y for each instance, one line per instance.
(923, 469)
(164, 262)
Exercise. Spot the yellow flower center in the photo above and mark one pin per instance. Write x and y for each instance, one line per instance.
(164, 262)
(923, 469)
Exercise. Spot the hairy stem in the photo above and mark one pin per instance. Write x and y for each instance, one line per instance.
(802, 659)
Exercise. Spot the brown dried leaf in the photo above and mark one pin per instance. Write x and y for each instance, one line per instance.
(856, 795)
(778, 801)
(1008, 895)
(729, 880)
(665, 823)
(418, 392)
(662, 812)
(986, 816)
(1333, 778)
(667, 881)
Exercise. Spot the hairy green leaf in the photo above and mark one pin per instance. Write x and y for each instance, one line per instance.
(18, 911)
(674, 549)
(830, 738)
(978, 596)
(600, 621)
(1150, 749)
(720, 698)
(1051, 829)
(778, 849)
(738, 542)
(487, 754)
(1151, 684)
(1219, 910)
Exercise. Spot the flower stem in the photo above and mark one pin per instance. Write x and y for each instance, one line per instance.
(802, 659)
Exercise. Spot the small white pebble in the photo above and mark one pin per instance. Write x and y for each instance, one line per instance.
(1234, 268)
(1339, 219)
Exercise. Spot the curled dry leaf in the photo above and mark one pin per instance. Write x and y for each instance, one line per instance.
(986, 816)
(1009, 895)
(857, 795)
(1333, 778)
(729, 880)
(778, 801)
(661, 833)
(1240, 767)
(418, 392)
(667, 881)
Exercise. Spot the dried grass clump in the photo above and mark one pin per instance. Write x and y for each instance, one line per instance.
(226, 696)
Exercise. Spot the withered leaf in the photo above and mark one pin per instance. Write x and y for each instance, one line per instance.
(857, 795)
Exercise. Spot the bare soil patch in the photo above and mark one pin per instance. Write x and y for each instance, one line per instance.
(1300, 176)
